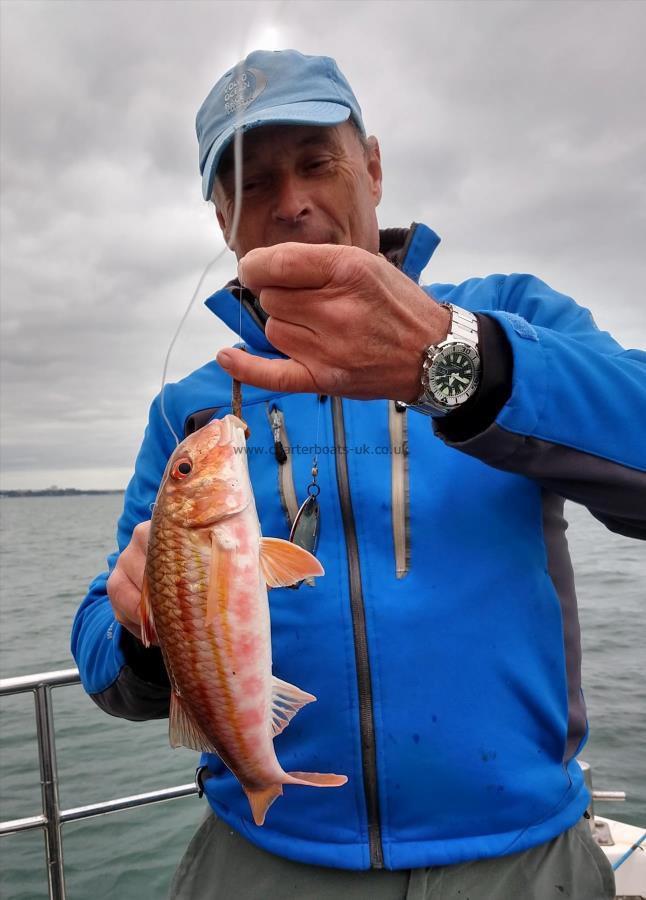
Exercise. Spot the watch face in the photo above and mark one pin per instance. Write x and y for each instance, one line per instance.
(453, 374)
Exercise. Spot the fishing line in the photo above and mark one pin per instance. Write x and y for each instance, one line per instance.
(307, 521)
(629, 852)
(176, 335)
(235, 221)
(318, 417)
(237, 209)
(315, 461)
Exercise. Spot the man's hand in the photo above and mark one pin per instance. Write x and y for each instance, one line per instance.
(351, 323)
(124, 584)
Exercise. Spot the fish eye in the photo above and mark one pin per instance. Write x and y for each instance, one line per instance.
(181, 469)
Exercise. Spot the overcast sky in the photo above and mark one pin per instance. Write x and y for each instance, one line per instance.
(515, 129)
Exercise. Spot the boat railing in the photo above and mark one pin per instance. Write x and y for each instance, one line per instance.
(51, 816)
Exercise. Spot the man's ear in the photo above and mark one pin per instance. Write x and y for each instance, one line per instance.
(374, 167)
(220, 218)
(224, 228)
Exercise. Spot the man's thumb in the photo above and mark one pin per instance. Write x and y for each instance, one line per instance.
(279, 375)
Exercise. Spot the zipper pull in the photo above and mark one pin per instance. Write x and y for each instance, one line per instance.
(279, 450)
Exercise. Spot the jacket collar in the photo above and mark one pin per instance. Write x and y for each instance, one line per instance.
(409, 249)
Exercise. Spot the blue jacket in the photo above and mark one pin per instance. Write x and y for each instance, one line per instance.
(443, 641)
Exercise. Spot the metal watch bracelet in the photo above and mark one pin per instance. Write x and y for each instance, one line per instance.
(463, 330)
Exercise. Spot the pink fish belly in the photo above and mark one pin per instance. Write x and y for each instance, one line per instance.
(233, 662)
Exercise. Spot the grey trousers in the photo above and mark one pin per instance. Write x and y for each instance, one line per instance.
(219, 864)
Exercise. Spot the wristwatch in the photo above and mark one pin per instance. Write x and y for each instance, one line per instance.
(451, 368)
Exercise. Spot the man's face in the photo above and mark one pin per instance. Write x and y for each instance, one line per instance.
(305, 183)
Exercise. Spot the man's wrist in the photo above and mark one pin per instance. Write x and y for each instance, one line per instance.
(439, 322)
(450, 371)
(146, 662)
(482, 409)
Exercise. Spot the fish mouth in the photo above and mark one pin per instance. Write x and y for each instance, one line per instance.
(234, 431)
(234, 421)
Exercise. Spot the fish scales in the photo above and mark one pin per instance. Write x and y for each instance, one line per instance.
(204, 600)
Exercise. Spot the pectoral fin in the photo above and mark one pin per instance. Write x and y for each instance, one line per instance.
(283, 563)
(219, 579)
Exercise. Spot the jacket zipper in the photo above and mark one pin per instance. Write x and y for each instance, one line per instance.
(398, 428)
(366, 720)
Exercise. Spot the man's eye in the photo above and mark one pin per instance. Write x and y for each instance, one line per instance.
(316, 165)
(253, 183)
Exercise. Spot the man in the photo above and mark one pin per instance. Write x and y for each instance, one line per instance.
(443, 641)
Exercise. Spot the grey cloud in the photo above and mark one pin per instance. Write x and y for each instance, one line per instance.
(513, 128)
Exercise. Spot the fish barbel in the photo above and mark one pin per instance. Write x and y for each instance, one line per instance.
(204, 600)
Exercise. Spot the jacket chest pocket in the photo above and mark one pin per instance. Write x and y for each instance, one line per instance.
(399, 478)
(399, 485)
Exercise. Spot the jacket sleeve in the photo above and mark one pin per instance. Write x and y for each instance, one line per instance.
(575, 419)
(122, 677)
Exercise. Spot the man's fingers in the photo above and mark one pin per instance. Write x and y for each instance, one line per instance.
(124, 584)
(125, 601)
(133, 627)
(124, 596)
(288, 265)
(281, 375)
(294, 306)
(140, 536)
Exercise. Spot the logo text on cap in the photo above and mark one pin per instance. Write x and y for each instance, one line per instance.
(243, 89)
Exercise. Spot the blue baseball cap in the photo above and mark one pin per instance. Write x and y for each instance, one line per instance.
(270, 88)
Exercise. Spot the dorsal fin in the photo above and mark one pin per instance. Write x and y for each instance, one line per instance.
(286, 700)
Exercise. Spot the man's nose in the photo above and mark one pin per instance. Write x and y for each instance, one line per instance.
(291, 203)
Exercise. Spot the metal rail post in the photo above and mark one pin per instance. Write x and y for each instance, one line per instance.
(49, 789)
(52, 816)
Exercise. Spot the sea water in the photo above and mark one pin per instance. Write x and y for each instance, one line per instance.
(51, 548)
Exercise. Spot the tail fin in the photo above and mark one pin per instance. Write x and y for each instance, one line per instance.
(316, 779)
(260, 800)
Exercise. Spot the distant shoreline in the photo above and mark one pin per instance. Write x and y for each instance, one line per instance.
(56, 492)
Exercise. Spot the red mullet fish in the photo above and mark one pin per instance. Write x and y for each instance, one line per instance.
(204, 600)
